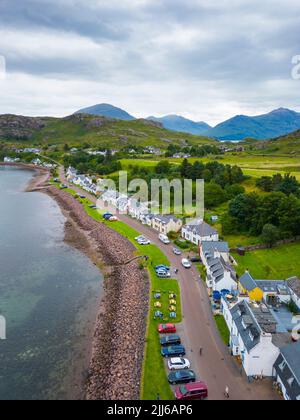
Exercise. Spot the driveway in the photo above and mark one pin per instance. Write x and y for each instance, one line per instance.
(215, 367)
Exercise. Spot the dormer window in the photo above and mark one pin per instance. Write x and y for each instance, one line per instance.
(282, 366)
(291, 381)
(251, 336)
(244, 324)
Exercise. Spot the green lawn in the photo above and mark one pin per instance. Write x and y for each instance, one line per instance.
(223, 329)
(154, 379)
(271, 264)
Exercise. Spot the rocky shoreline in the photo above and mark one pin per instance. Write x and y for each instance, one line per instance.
(119, 339)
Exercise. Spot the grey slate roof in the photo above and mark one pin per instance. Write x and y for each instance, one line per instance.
(166, 218)
(201, 229)
(287, 367)
(209, 246)
(294, 284)
(257, 320)
(273, 286)
(248, 282)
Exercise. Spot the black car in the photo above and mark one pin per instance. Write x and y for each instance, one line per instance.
(173, 351)
(195, 260)
(181, 377)
(170, 340)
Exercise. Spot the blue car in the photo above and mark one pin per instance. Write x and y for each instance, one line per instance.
(107, 216)
(173, 351)
(162, 267)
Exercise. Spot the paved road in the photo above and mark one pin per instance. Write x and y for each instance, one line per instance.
(216, 367)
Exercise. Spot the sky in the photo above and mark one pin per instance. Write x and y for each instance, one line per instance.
(204, 60)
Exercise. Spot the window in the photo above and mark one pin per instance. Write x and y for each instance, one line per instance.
(282, 365)
(291, 381)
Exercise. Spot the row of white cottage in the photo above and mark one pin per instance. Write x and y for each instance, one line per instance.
(83, 181)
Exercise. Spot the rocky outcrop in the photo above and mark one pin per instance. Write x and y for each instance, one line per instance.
(119, 339)
(19, 127)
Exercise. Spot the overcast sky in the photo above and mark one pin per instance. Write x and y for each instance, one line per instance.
(206, 60)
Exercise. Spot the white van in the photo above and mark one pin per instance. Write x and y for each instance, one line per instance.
(164, 239)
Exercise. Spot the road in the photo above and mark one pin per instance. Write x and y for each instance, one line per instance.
(216, 367)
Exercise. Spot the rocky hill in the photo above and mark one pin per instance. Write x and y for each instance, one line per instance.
(100, 131)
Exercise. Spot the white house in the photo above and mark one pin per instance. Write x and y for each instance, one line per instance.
(199, 231)
(166, 224)
(287, 372)
(221, 276)
(254, 337)
(294, 285)
(71, 173)
(136, 209)
(211, 250)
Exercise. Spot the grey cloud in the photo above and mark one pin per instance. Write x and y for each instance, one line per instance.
(237, 46)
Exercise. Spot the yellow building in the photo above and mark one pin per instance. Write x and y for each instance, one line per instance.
(248, 287)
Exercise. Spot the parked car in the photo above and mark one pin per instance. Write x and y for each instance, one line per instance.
(167, 329)
(142, 240)
(163, 274)
(178, 363)
(193, 391)
(182, 377)
(177, 251)
(196, 259)
(170, 340)
(162, 267)
(173, 351)
(164, 239)
(186, 263)
(107, 216)
(113, 219)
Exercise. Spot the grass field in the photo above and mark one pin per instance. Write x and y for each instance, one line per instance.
(154, 376)
(271, 264)
(254, 166)
(223, 329)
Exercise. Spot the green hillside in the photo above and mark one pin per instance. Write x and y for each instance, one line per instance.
(97, 131)
(285, 145)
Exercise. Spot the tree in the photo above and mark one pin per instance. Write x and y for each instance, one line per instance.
(244, 209)
(234, 190)
(214, 195)
(270, 235)
(163, 167)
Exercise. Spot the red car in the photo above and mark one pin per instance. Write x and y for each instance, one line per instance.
(192, 391)
(166, 329)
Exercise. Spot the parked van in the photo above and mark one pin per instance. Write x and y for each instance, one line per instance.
(164, 239)
(193, 391)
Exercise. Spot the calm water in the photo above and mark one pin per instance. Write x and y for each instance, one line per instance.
(49, 293)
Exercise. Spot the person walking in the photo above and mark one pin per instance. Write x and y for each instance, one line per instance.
(227, 393)
(201, 351)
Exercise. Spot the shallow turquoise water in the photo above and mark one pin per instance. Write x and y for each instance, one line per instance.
(49, 294)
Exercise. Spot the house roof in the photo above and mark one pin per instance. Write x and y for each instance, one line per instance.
(201, 229)
(287, 367)
(209, 247)
(165, 219)
(294, 285)
(251, 321)
(273, 286)
(248, 282)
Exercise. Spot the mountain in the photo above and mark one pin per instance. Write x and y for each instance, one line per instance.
(106, 110)
(277, 123)
(181, 124)
(96, 131)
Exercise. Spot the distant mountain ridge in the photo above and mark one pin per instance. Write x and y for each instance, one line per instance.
(277, 123)
(178, 123)
(274, 124)
(107, 110)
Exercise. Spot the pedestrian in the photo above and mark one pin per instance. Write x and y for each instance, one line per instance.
(158, 397)
(227, 393)
(201, 351)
